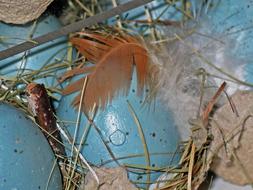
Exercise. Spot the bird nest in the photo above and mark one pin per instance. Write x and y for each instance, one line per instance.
(195, 159)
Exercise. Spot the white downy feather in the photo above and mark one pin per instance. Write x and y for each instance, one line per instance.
(194, 49)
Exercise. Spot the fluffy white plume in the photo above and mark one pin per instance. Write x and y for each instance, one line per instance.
(190, 55)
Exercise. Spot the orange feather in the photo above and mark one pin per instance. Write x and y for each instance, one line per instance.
(114, 58)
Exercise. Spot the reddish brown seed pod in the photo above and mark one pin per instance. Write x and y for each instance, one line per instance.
(40, 105)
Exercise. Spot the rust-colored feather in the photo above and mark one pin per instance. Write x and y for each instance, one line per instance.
(114, 58)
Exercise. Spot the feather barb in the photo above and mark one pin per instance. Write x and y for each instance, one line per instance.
(114, 58)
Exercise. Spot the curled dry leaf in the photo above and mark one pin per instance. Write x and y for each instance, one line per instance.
(110, 178)
(232, 143)
(114, 58)
(22, 11)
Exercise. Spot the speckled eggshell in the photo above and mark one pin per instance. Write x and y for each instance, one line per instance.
(48, 53)
(157, 10)
(26, 159)
(120, 132)
(233, 20)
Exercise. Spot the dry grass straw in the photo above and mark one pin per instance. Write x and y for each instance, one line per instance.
(193, 165)
(75, 166)
(192, 169)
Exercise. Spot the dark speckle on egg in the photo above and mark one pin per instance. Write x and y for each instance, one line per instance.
(15, 123)
(125, 137)
(17, 141)
(18, 151)
(139, 177)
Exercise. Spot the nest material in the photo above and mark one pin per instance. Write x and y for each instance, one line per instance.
(232, 131)
(194, 163)
(110, 178)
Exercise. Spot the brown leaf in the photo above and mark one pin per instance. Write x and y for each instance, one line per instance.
(110, 179)
(232, 140)
(114, 58)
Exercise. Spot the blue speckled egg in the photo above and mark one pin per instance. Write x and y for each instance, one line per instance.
(232, 20)
(116, 130)
(52, 52)
(157, 9)
(27, 161)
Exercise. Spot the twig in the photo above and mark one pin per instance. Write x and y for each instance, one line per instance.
(114, 3)
(142, 136)
(191, 165)
(71, 28)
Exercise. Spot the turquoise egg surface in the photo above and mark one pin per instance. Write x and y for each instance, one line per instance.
(115, 133)
(35, 59)
(27, 160)
(232, 20)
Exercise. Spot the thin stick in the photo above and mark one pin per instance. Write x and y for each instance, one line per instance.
(84, 8)
(140, 130)
(74, 27)
(191, 164)
(211, 103)
(79, 149)
(114, 3)
(79, 153)
(51, 174)
(78, 115)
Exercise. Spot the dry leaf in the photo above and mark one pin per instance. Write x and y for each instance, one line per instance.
(233, 138)
(22, 11)
(114, 58)
(110, 179)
